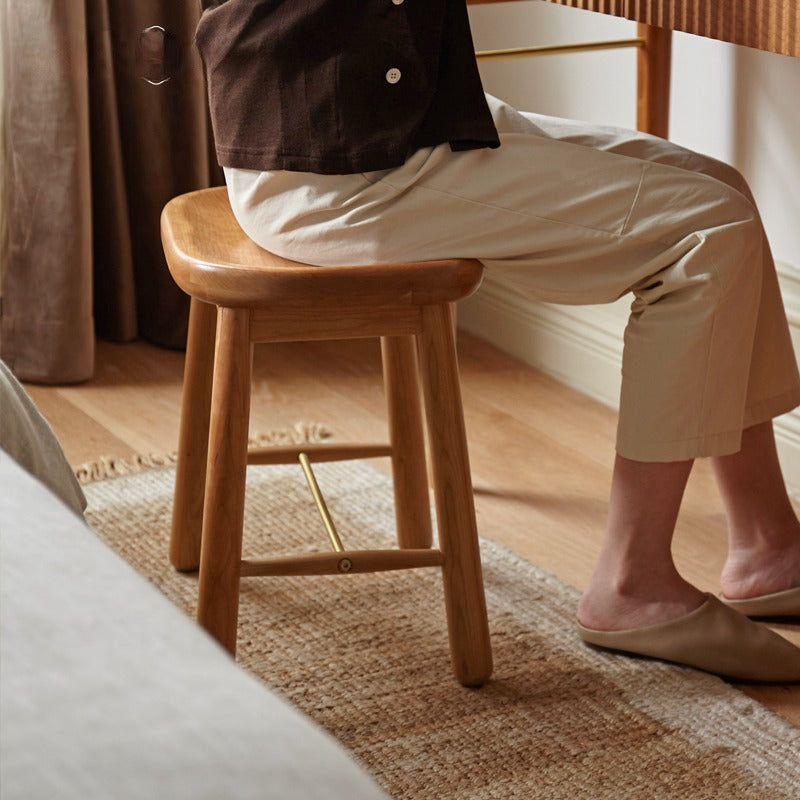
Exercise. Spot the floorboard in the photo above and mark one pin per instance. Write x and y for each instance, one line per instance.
(541, 454)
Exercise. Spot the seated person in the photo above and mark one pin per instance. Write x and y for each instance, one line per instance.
(358, 133)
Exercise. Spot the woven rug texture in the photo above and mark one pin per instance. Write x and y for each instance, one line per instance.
(366, 656)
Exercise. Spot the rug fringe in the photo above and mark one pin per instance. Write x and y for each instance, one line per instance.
(107, 467)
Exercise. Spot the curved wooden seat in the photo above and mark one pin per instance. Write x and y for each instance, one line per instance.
(242, 294)
(211, 258)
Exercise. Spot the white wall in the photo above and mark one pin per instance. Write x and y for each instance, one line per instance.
(733, 103)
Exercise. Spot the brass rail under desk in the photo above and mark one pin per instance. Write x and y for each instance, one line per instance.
(772, 25)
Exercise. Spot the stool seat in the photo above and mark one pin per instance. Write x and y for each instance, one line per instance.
(212, 259)
(241, 295)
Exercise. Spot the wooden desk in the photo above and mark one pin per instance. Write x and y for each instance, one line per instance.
(772, 25)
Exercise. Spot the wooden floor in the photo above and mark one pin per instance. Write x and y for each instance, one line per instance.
(541, 453)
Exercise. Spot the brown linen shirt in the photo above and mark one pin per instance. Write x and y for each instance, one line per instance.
(340, 86)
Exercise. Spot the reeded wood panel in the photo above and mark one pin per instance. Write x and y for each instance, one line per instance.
(766, 24)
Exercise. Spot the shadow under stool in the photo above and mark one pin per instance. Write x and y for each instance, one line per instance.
(242, 294)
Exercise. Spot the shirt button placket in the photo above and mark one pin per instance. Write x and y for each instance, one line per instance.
(393, 75)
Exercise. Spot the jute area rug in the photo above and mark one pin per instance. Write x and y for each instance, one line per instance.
(366, 656)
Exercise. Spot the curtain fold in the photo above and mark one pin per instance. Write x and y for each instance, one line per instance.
(92, 153)
(47, 331)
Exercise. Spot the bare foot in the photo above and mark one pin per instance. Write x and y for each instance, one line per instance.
(750, 572)
(611, 605)
(763, 528)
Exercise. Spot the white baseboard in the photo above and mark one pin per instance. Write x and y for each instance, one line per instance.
(582, 345)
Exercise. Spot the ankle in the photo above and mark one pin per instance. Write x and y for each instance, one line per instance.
(764, 531)
(761, 569)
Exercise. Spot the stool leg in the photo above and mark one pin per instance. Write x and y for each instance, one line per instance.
(223, 514)
(190, 472)
(455, 510)
(409, 472)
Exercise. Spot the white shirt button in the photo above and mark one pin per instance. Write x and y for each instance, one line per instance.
(393, 75)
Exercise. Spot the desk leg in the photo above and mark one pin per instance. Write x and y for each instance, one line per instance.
(653, 77)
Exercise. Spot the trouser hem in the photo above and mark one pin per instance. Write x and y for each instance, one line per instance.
(773, 407)
(718, 444)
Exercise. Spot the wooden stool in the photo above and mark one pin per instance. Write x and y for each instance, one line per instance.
(242, 294)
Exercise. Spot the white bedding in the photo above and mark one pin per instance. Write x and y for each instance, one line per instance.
(108, 691)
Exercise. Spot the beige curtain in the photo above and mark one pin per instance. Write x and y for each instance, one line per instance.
(91, 152)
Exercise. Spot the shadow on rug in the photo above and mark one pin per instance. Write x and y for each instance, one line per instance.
(366, 656)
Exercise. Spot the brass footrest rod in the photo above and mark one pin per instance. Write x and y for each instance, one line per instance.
(552, 49)
(327, 520)
(341, 560)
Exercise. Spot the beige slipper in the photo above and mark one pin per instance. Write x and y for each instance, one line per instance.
(779, 604)
(713, 638)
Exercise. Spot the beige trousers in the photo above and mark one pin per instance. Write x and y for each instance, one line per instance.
(574, 213)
